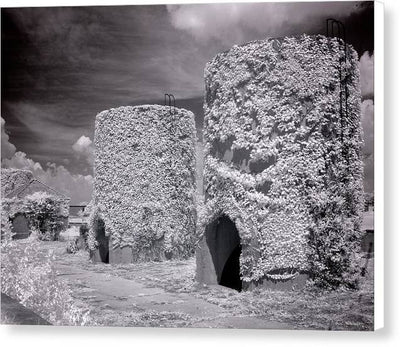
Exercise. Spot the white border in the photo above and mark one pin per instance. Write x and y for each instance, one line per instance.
(110, 337)
(54, 3)
(379, 166)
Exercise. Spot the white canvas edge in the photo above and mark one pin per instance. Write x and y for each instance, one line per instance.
(37, 335)
(379, 165)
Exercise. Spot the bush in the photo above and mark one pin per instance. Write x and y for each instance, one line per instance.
(72, 246)
(28, 275)
(44, 213)
(6, 228)
(69, 234)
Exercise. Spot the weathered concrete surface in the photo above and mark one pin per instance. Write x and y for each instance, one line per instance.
(205, 271)
(120, 255)
(13, 313)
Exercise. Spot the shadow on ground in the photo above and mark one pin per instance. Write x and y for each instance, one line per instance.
(13, 313)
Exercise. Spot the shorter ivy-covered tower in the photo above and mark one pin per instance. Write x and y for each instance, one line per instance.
(144, 185)
(283, 168)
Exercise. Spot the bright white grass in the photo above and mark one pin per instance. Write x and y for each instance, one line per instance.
(70, 233)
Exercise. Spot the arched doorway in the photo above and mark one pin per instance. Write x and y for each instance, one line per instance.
(20, 227)
(102, 241)
(223, 241)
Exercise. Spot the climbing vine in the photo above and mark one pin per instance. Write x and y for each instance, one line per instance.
(46, 214)
(144, 185)
(282, 157)
(14, 179)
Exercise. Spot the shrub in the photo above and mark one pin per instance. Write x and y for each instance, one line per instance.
(72, 246)
(28, 275)
(6, 228)
(44, 213)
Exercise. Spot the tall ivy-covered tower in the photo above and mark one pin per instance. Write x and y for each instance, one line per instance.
(283, 168)
(144, 184)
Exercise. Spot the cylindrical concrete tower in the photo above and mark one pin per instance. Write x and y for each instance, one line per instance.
(144, 184)
(283, 168)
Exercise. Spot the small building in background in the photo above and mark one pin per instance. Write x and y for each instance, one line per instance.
(29, 203)
(369, 201)
(367, 241)
(77, 216)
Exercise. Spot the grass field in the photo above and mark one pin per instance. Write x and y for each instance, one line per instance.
(300, 309)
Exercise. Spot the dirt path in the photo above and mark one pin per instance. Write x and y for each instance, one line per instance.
(166, 294)
(121, 301)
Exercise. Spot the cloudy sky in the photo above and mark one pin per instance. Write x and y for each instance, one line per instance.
(61, 66)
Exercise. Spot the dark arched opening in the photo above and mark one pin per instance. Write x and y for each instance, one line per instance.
(20, 227)
(224, 244)
(102, 241)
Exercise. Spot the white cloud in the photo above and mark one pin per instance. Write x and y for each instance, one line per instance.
(20, 161)
(77, 187)
(7, 148)
(231, 22)
(367, 74)
(83, 147)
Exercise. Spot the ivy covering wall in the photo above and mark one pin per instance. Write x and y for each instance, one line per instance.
(283, 156)
(144, 186)
(14, 179)
(45, 210)
(46, 214)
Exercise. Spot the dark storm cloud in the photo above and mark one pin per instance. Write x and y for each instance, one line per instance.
(120, 50)
(235, 23)
(61, 66)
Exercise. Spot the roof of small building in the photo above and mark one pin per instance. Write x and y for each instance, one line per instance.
(34, 186)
